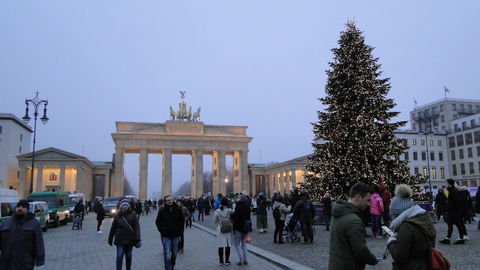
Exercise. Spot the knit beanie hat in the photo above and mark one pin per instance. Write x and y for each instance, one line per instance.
(124, 202)
(23, 203)
(402, 200)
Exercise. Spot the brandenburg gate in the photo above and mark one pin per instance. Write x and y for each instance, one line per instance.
(183, 134)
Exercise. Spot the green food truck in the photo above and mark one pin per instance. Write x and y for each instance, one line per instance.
(58, 205)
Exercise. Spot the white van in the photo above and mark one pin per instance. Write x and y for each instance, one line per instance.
(8, 202)
(40, 210)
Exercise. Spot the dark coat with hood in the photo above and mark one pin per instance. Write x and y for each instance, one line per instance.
(348, 249)
(241, 214)
(170, 220)
(415, 236)
(21, 244)
(124, 234)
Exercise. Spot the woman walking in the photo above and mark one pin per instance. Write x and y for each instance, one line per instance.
(327, 210)
(376, 211)
(279, 217)
(126, 231)
(222, 217)
(240, 232)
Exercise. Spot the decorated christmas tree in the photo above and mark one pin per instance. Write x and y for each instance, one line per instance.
(354, 134)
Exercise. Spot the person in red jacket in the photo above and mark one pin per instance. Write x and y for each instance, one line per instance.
(387, 198)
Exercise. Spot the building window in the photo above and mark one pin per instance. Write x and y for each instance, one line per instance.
(442, 173)
(470, 152)
(414, 126)
(460, 154)
(454, 107)
(462, 168)
(468, 138)
(441, 108)
(451, 142)
(452, 154)
(464, 125)
(470, 108)
(459, 140)
(442, 118)
(470, 167)
(425, 171)
(405, 156)
(472, 123)
(21, 137)
(476, 136)
(430, 142)
(416, 170)
(440, 156)
(433, 173)
(20, 150)
(424, 156)
(462, 108)
(415, 155)
(414, 141)
(422, 142)
(439, 142)
(477, 108)
(1, 129)
(454, 169)
(455, 128)
(432, 155)
(478, 151)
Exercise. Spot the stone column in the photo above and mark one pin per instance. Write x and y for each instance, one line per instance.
(80, 181)
(106, 187)
(288, 182)
(268, 189)
(143, 174)
(197, 174)
(167, 173)
(22, 183)
(274, 177)
(118, 181)
(254, 183)
(39, 179)
(62, 177)
(243, 167)
(282, 182)
(294, 178)
(236, 172)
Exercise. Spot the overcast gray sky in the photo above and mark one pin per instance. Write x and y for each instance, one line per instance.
(255, 63)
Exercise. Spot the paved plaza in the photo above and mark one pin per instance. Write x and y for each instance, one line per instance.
(85, 249)
(316, 256)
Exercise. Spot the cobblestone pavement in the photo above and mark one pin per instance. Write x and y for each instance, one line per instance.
(316, 255)
(85, 249)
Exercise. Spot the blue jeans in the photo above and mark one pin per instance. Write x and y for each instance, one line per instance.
(170, 247)
(239, 240)
(127, 251)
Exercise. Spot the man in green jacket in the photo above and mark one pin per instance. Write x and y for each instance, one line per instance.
(348, 249)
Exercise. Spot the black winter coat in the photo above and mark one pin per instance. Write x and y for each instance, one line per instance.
(124, 234)
(22, 243)
(241, 214)
(100, 211)
(170, 221)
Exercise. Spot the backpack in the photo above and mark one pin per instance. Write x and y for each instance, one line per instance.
(436, 260)
(225, 224)
(276, 213)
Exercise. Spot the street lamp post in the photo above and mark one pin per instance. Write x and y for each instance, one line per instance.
(426, 133)
(35, 102)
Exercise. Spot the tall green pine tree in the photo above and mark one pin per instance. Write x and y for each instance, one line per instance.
(356, 140)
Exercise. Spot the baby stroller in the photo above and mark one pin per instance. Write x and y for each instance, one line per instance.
(293, 229)
(77, 222)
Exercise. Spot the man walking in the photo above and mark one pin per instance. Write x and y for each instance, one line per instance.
(305, 211)
(170, 225)
(100, 215)
(456, 209)
(21, 240)
(348, 249)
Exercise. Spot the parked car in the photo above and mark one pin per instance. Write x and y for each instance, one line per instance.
(110, 205)
(41, 212)
(8, 202)
(58, 205)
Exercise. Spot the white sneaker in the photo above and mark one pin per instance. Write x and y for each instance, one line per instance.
(466, 238)
(260, 230)
(99, 232)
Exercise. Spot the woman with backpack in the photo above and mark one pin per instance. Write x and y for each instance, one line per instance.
(224, 228)
(414, 232)
(279, 214)
(126, 231)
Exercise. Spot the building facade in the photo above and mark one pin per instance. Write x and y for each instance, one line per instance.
(15, 139)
